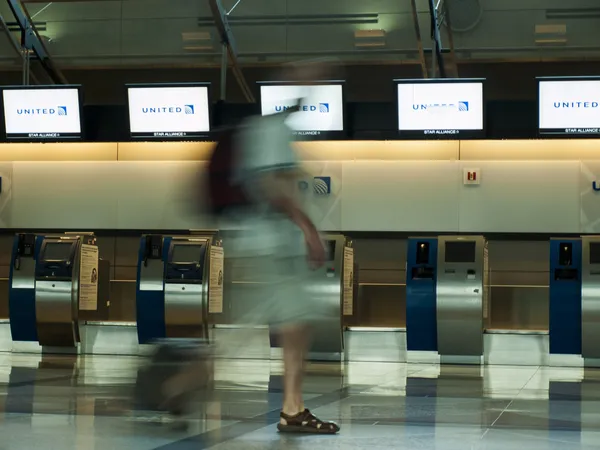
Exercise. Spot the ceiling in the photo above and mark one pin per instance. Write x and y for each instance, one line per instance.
(181, 33)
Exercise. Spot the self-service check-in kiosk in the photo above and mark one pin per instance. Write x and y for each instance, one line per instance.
(63, 271)
(565, 325)
(335, 287)
(179, 283)
(421, 302)
(462, 291)
(590, 297)
(21, 291)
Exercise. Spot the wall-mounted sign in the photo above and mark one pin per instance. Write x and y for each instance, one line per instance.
(569, 106)
(321, 106)
(322, 185)
(168, 112)
(440, 108)
(471, 176)
(42, 112)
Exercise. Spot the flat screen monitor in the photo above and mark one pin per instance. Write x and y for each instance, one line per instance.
(450, 108)
(320, 106)
(57, 251)
(42, 113)
(569, 106)
(160, 112)
(187, 253)
(460, 252)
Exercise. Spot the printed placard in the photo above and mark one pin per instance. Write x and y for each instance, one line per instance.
(215, 289)
(348, 280)
(88, 278)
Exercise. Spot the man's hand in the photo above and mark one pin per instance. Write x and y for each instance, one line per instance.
(316, 250)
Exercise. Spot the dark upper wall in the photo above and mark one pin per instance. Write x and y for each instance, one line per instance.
(365, 83)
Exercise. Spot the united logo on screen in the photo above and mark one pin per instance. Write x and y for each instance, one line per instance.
(461, 106)
(189, 109)
(62, 110)
(324, 107)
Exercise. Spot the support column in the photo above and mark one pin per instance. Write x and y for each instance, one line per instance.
(220, 17)
(30, 40)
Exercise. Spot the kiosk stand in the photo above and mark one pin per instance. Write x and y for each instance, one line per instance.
(51, 279)
(180, 281)
(462, 297)
(335, 287)
(447, 297)
(21, 291)
(590, 299)
(565, 296)
(421, 280)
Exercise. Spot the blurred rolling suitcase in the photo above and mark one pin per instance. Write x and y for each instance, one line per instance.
(177, 369)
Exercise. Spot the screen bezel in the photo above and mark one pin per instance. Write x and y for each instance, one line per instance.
(560, 132)
(320, 135)
(461, 134)
(63, 138)
(195, 136)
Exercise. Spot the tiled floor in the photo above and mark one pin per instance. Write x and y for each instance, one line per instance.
(67, 403)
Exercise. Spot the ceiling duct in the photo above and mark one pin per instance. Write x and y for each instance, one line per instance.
(14, 27)
(573, 13)
(305, 19)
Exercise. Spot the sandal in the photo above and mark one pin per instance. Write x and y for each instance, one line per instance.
(305, 422)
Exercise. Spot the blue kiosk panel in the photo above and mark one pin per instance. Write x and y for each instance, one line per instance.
(21, 292)
(565, 296)
(150, 303)
(421, 275)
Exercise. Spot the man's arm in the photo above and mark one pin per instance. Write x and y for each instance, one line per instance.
(275, 189)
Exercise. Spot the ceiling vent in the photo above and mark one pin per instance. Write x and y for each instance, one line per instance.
(198, 41)
(367, 39)
(551, 34)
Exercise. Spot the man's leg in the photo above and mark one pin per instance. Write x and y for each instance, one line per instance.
(294, 340)
(294, 416)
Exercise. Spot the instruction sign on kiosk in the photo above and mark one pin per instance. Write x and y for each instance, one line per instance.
(88, 278)
(215, 290)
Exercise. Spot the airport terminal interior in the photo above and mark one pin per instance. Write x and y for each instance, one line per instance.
(451, 162)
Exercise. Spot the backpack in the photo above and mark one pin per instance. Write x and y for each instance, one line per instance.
(223, 193)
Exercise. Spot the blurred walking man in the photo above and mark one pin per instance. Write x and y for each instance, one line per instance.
(278, 246)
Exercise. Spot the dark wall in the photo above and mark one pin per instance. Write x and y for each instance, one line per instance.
(365, 83)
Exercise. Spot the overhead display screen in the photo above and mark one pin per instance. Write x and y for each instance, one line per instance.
(321, 106)
(42, 113)
(159, 112)
(569, 106)
(450, 108)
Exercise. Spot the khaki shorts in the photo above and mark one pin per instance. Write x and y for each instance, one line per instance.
(279, 291)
